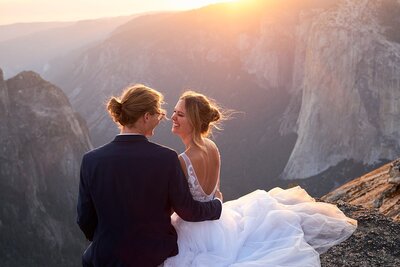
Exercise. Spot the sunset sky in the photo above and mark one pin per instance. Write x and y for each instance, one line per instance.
(13, 11)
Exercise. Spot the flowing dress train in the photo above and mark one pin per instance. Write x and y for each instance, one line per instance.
(268, 229)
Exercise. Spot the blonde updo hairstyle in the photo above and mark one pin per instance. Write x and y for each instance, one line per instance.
(203, 113)
(134, 102)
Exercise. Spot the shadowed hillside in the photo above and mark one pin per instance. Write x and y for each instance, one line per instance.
(42, 141)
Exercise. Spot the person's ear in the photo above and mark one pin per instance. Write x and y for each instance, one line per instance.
(146, 116)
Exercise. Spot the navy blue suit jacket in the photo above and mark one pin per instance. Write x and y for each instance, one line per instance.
(126, 193)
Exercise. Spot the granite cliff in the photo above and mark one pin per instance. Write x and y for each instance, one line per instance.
(349, 89)
(42, 140)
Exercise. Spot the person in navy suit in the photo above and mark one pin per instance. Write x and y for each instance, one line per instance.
(130, 186)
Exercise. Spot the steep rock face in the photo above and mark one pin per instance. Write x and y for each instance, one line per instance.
(351, 80)
(379, 189)
(42, 142)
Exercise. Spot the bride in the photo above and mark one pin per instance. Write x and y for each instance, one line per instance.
(274, 228)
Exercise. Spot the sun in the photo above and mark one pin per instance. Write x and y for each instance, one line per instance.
(207, 2)
(184, 4)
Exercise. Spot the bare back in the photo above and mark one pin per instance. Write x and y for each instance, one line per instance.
(206, 164)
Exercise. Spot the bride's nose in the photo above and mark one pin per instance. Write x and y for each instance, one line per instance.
(173, 117)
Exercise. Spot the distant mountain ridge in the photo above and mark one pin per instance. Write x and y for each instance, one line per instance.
(11, 31)
(42, 141)
(35, 46)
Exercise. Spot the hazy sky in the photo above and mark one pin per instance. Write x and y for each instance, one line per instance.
(12, 11)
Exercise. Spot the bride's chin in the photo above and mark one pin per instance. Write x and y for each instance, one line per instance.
(175, 132)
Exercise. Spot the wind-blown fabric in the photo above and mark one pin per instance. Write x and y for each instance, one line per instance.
(268, 229)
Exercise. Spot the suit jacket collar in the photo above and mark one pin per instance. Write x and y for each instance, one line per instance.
(129, 138)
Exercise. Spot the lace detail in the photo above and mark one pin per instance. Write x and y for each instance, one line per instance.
(194, 185)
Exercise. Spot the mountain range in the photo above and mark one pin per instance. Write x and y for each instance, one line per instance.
(314, 84)
(38, 46)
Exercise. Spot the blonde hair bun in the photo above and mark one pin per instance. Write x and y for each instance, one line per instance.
(114, 107)
(215, 114)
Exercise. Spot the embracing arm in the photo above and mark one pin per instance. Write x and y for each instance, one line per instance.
(218, 195)
(87, 217)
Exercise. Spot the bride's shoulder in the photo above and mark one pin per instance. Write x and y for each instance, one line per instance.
(211, 146)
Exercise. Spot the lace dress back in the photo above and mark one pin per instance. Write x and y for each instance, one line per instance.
(194, 185)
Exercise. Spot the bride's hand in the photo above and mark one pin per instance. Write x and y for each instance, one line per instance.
(218, 194)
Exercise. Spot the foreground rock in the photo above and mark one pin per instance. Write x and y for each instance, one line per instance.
(373, 200)
(379, 189)
(374, 243)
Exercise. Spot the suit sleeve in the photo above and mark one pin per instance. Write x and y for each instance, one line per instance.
(182, 201)
(87, 216)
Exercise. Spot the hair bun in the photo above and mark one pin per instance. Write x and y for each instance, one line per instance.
(114, 107)
(215, 115)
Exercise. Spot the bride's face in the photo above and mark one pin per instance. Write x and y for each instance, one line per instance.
(180, 121)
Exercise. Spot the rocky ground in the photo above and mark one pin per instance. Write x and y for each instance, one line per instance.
(376, 242)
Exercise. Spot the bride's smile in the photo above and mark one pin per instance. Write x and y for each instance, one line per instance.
(180, 123)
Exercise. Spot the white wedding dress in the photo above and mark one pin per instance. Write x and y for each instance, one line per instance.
(266, 229)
